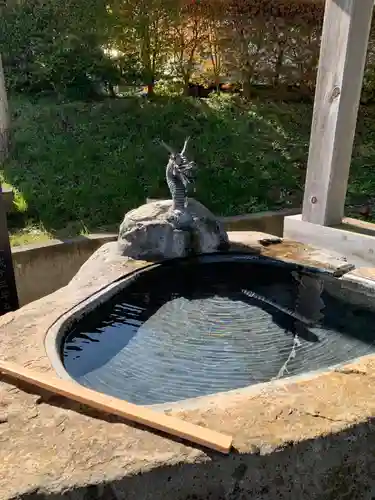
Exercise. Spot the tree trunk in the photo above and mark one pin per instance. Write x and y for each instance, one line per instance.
(217, 83)
(4, 117)
(246, 87)
(278, 66)
(186, 84)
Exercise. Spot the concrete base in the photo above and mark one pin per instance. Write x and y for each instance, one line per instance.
(352, 238)
(271, 222)
(41, 269)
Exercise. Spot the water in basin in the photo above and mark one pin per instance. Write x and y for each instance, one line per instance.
(200, 326)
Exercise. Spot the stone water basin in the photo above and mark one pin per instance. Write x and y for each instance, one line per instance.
(316, 427)
(194, 327)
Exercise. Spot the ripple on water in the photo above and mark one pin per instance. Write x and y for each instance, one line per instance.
(184, 331)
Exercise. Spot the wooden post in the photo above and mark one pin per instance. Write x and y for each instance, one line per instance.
(8, 289)
(346, 31)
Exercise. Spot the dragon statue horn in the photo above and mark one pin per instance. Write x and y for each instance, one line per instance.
(185, 145)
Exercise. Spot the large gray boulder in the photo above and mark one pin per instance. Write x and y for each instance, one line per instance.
(151, 232)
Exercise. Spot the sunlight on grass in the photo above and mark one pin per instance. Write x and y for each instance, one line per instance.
(29, 235)
(35, 234)
(92, 162)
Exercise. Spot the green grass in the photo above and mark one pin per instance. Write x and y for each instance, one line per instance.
(29, 235)
(78, 167)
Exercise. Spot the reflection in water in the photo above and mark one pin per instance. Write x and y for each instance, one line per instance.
(181, 331)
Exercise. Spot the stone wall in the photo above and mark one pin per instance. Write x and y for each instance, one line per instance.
(271, 222)
(42, 269)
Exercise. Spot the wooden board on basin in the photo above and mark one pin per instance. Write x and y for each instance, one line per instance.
(134, 413)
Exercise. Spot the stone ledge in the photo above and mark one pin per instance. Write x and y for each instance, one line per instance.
(41, 269)
(320, 426)
(354, 239)
(46, 245)
(291, 251)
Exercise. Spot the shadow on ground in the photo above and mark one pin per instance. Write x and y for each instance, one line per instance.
(332, 467)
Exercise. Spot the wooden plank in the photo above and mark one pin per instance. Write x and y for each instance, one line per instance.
(141, 415)
(346, 30)
(356, 226)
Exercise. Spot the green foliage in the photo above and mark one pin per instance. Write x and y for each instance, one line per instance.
(91, 162)
(169, 87)
(368, 88)
(83, 165)
(58, 46)
(47, 47)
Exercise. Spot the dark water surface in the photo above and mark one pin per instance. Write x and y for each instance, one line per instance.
(195, 328)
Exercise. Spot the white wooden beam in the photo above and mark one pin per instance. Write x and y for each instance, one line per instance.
(343, 50)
